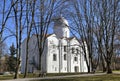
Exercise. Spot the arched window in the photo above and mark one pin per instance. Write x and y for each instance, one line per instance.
(65, 48)
(54, 57)
(65, 57)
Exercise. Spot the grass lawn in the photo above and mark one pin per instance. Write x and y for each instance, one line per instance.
(107, 77)
(6, 77)
(110, 77)
(30, 75)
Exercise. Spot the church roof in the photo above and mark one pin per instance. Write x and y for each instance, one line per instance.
(60, 21)
(70, 38)
(46, 35)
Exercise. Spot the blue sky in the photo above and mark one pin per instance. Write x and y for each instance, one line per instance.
(11, 39)
(10, 25)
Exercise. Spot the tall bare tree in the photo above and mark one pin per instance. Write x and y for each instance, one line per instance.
(82, 27)
(45, 10)
(106, 22)
(4, 16)
(6, 8)
(102, 17)
(18, 11)
(30, 12)
(107, 17)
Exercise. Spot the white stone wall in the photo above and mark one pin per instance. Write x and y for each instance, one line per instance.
(55, 45)
(32, 52)
(64, 68)
(81, 63)
(52, 66)
(73, 44)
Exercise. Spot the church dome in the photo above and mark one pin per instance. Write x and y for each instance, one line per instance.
(64, 21)
(60, 22)
(61, 28)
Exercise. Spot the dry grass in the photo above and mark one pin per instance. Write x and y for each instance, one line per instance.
(107, 77)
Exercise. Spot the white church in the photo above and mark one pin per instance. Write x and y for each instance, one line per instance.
(62, 53)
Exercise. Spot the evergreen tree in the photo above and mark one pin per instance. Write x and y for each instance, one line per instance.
(12, 58)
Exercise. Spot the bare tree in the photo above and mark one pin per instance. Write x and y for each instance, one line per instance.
(99, 36)
(30, 12)
(19, 26)
(37, 13)
(82, 27)
(45, 11)
(5, 14)
(6, 8)
(95, 23)
(107, 22)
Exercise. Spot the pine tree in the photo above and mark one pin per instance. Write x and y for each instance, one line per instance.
(12, 58)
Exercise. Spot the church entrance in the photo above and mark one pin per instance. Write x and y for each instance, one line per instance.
(76, 68)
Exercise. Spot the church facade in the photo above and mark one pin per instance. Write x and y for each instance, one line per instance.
(61, 54)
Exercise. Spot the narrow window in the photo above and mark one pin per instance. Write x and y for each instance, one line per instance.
(65, 48)
(65, 57)
(77, 50)
(65, 68)
(54, 46)
(54, 57)
(73, 50)
(75, 58)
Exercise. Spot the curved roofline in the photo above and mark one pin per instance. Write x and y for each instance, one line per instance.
(62, 20)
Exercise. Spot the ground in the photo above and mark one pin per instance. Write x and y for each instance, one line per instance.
(78, 77)
(89, 78)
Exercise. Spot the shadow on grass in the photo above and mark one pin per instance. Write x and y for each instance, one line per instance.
(107, 77)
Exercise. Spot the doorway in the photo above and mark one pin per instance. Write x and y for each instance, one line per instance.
(76, 68)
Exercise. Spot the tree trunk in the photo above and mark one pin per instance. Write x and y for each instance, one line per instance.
(104, 69)
(40, 69)
(88, 69)
(26, 63)
(109, 70)
(103, 63)
(17, 70)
